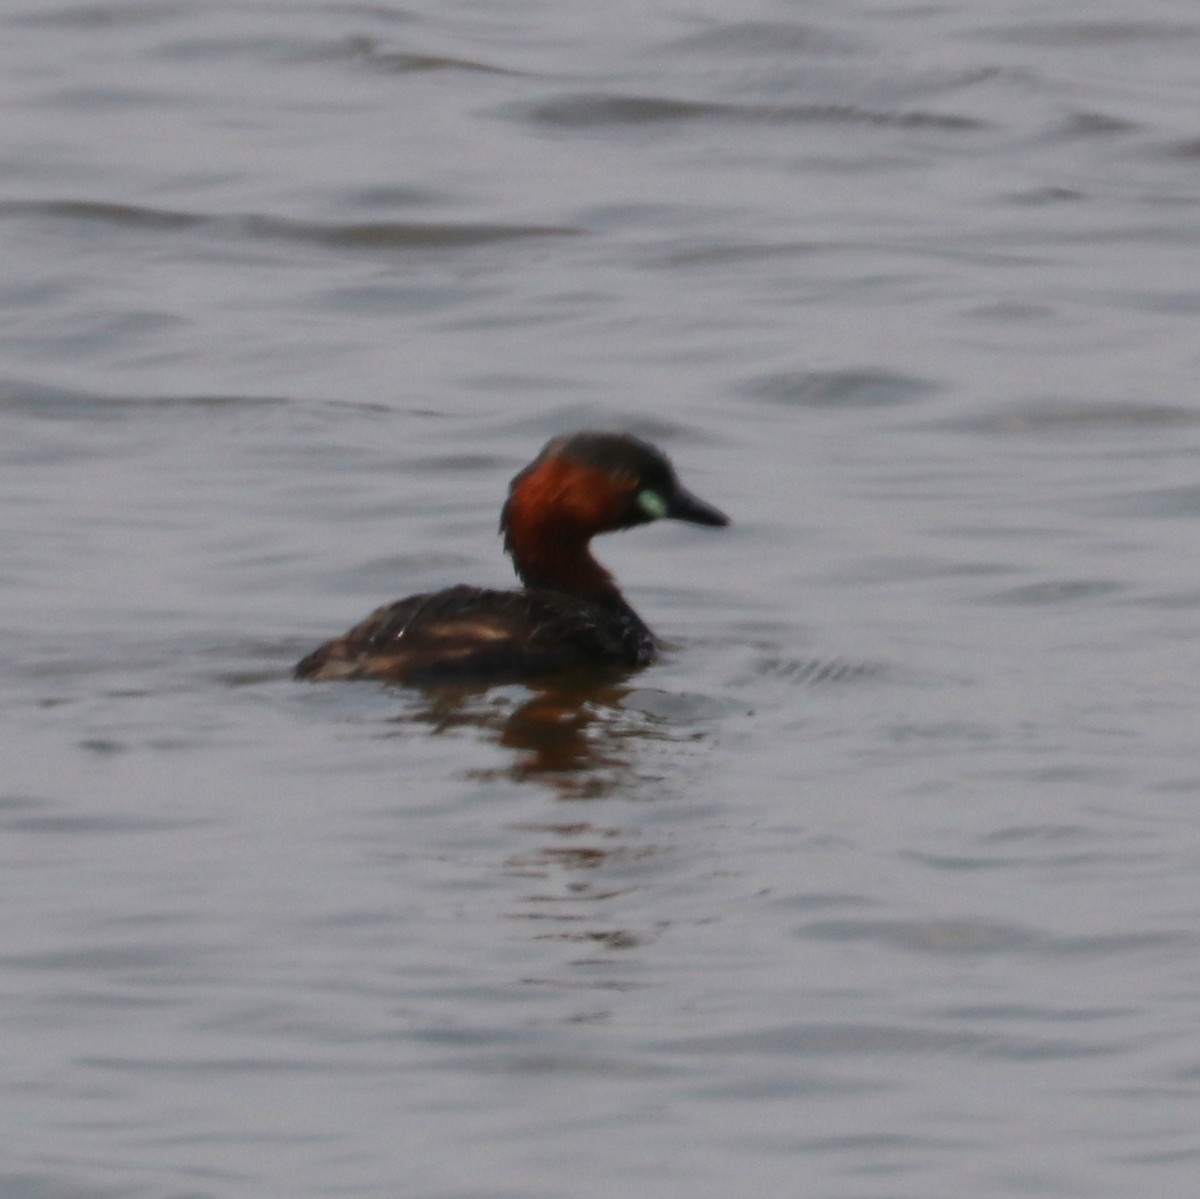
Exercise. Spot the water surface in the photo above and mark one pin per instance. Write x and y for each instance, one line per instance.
(882, 884)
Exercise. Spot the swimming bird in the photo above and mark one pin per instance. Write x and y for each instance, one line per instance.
(569, 612)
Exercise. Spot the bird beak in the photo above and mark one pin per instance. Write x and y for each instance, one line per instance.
(682, 505)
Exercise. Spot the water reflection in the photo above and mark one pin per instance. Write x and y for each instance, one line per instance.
(573, 867)
(578, 737)
(583, 740)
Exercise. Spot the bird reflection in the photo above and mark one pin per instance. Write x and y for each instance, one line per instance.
(576, 737)
(580, 739)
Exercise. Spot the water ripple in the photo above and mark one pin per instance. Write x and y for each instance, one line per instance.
(586, 110)
(369, 52)
(372, 235)
(863, 387)
(798, 1041)
(768, 37)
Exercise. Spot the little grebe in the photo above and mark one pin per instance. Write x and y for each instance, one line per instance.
(569, 612)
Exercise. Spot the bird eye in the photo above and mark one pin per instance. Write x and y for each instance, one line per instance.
(652, 504)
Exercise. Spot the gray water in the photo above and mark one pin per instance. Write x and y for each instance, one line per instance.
(884, 883)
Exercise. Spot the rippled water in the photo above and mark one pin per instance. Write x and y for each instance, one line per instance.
(883, 884)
